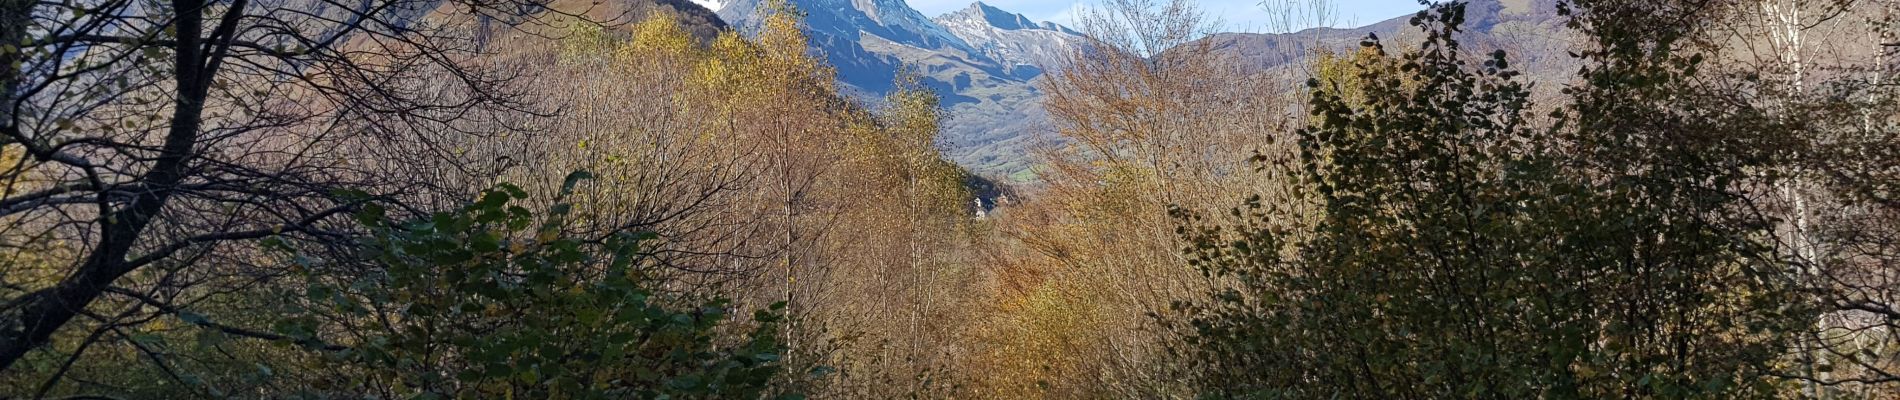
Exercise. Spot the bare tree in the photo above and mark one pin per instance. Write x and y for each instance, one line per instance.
(159, 133)
(1156, 118)
(1821, 66)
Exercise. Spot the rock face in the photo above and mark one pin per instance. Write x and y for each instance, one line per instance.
(983, 61)
(1012, 39)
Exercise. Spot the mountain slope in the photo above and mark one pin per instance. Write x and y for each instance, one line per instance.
(983, 61)
(1529, 30)
(841, 30)
(1011, 39)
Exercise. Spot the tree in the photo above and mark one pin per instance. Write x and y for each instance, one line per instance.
(1821, 68)
(157, 134)
(911, 225)
(1153, 115)
(494, 300)
(1462, 250)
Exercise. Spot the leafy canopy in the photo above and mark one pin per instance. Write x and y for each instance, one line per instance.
(495, 301)
(1463, 253)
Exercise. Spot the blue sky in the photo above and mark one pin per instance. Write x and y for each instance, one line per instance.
(1238, 15)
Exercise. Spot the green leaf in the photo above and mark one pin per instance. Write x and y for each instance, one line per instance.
(574, 179)
(192, 318)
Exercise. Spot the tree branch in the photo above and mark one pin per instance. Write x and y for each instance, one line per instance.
(299, 226)
(226, 329)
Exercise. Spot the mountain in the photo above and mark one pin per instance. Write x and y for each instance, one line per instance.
(1530, 31)
(847, 32)
(615, 15)
(1011, 39)
(697, 19)
(983, 62)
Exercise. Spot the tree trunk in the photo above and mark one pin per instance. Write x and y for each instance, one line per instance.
(43, 312)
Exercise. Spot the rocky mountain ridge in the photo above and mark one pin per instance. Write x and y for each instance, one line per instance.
(985, 62)
(982, 60)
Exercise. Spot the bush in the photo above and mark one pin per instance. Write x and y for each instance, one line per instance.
(1464, 253)
(494, 301)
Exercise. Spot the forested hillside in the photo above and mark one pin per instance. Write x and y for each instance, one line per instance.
(425, 199)
(982, 62)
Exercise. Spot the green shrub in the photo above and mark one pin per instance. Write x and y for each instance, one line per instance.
(494, 301)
